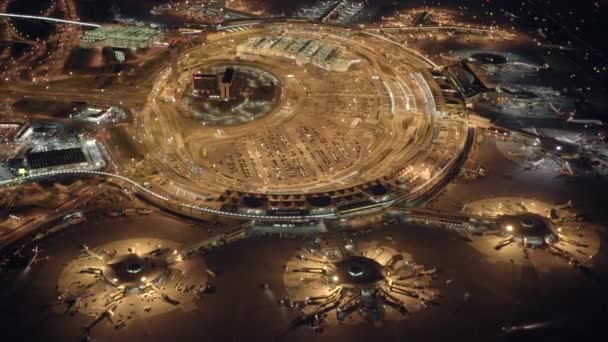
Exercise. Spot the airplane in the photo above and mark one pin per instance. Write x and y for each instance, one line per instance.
(34, 259)
(586, 122)
(563, 140)
(563, 206)
(530, 65)
(567, 170)
(569, 141)
(538, 162)
(600, 161)
(557, 111)
(535, 165)
(542, 34)
(72, 300)
(107, 313)
(556, 46)
(529, 326)
(89, 252)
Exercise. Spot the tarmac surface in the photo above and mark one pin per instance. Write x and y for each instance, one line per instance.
(478, 296)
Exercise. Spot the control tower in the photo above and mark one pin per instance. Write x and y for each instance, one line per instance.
(225, 82)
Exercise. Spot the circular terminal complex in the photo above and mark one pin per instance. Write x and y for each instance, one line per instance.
(367, 282)
(130, 270)
(531, 229)
(358, 271)
(301, 117)
(132, 278)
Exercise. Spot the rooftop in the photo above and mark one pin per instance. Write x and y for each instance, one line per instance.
(121, 32)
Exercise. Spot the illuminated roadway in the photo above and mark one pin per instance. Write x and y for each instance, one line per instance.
(55, 20)
(58, 46)
(19, 180)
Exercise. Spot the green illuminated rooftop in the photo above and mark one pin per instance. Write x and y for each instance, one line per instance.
(121, 36)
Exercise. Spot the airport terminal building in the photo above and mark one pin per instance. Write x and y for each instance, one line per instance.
(131, 37)
(302, 50)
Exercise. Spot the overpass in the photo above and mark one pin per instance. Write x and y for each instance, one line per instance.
(55, 20)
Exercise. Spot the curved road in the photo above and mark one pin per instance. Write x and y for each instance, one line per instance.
(144, 189)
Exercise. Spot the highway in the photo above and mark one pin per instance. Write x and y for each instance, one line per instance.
(19, 89)
(54, 20)
(47, 58)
